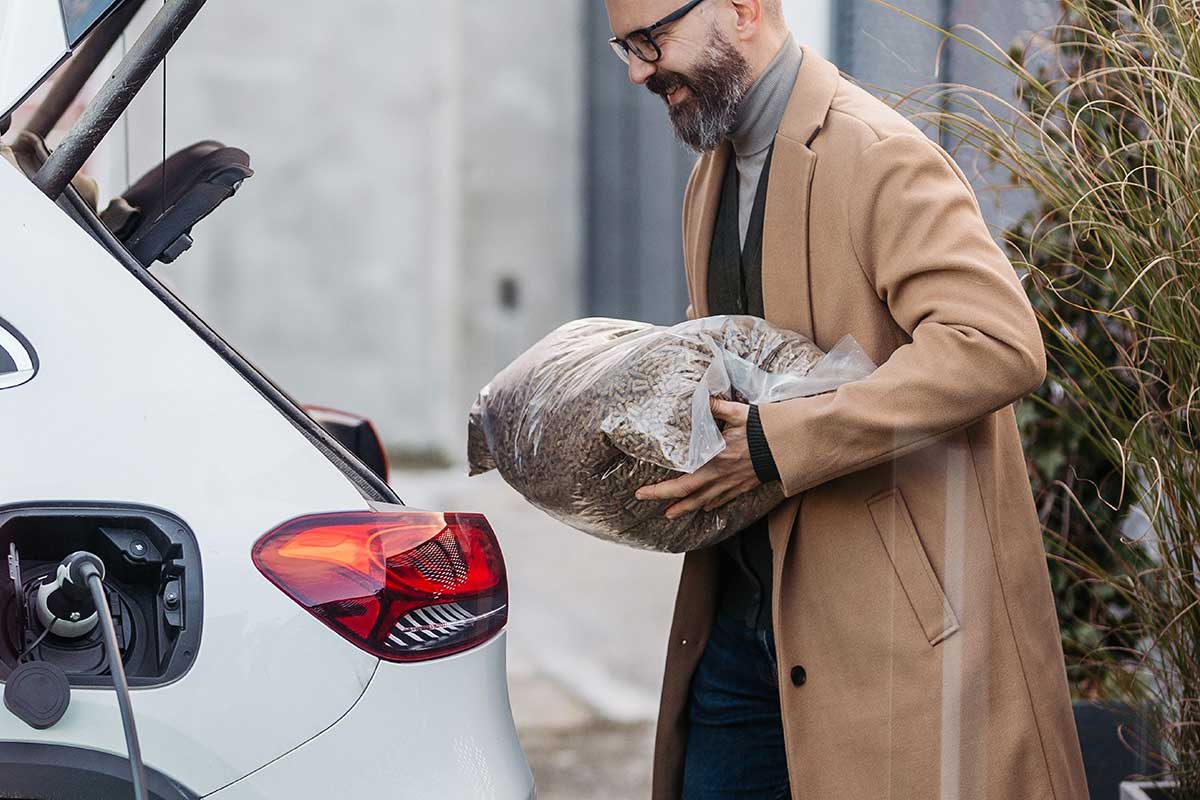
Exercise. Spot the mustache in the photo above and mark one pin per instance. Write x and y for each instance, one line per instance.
(663, 83)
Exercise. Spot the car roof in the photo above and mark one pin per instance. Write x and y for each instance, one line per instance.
(36, 37)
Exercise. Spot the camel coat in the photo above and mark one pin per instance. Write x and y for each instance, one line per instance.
(919, 651)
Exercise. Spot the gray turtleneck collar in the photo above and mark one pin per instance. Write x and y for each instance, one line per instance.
(758, 122)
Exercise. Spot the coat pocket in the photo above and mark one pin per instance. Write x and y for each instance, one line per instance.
(896, 530)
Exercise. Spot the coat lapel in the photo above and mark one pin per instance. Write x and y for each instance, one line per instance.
(785, 268)
(787, 298)
(786, 284)
(705, 197)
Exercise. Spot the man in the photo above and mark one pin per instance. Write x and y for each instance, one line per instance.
(891, 633)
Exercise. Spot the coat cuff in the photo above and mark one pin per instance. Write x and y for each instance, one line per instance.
(760, 452)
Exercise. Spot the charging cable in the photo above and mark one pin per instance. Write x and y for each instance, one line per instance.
(37, 641)
(85, 569)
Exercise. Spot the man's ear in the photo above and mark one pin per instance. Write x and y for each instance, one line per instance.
(749, 16)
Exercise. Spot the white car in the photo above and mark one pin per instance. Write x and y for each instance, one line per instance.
(286, 626)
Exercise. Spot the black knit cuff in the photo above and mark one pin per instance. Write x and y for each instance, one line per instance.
(760, 451)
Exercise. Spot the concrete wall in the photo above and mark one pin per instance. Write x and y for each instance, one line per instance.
(414, 221)
(430, 182)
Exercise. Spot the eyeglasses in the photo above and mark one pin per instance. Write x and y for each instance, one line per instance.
(641, 42)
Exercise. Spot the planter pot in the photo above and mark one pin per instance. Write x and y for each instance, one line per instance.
(1106, 760)
(1146, 790)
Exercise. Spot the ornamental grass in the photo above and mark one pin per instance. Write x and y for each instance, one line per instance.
(1102, 143)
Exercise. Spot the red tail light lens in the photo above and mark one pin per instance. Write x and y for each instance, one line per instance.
(404, 586)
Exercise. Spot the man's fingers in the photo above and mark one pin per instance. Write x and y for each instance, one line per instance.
(728, 411)
(725, 497)
(742, 488)
(674, 488)
(697, 500)
(667, 490)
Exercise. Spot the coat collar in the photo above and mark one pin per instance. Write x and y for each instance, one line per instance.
(786, 300)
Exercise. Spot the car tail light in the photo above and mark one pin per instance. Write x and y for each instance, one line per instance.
(404, 586)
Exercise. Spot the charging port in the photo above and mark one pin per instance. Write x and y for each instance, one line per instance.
(152, 585)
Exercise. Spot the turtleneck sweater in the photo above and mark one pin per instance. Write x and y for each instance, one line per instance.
(758, 121)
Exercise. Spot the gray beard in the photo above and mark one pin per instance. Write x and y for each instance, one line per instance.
(717, 88)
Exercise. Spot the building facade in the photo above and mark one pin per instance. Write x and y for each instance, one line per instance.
(435, 192)
(414, 218)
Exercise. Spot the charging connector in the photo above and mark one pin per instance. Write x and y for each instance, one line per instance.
(85, 569)
(70, 603)
(64, 598)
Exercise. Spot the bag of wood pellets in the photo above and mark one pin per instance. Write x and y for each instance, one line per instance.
(601, 407)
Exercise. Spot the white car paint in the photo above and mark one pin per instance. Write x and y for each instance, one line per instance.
(130, 405)
(445, 733)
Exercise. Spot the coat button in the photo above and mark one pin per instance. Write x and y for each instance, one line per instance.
(799, 676)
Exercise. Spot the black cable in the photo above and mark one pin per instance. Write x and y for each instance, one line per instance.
(37, 641)
(117, 669)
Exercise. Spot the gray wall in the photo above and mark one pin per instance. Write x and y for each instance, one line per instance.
(414, 222)
(434, 192)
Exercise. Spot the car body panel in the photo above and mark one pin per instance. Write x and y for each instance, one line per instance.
(129, 405)
(449, 730)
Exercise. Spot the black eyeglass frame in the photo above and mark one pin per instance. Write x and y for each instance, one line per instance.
(621, 45)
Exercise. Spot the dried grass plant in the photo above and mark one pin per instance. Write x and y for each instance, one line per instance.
(1104, 135)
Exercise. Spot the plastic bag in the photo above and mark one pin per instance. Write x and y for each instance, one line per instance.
(601, 407)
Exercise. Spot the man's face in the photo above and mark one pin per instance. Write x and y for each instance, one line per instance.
(702, 77)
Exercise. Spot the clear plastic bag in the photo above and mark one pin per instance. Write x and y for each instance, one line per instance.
(601, 407)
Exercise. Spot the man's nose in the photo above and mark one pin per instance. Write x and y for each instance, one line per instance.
(640, 71)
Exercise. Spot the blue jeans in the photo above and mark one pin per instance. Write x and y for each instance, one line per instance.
(735, 744)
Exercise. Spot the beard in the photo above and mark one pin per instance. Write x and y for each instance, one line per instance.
(716, 89)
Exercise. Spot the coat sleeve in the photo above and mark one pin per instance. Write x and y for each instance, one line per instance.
(974, 344)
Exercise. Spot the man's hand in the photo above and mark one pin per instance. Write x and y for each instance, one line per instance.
(729, 475)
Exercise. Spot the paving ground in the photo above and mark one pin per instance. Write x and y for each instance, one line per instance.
(587, 636)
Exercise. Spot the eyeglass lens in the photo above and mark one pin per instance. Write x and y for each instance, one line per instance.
(639, 44)
(619, 49)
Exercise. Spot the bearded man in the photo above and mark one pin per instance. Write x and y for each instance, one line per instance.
(889, 630)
